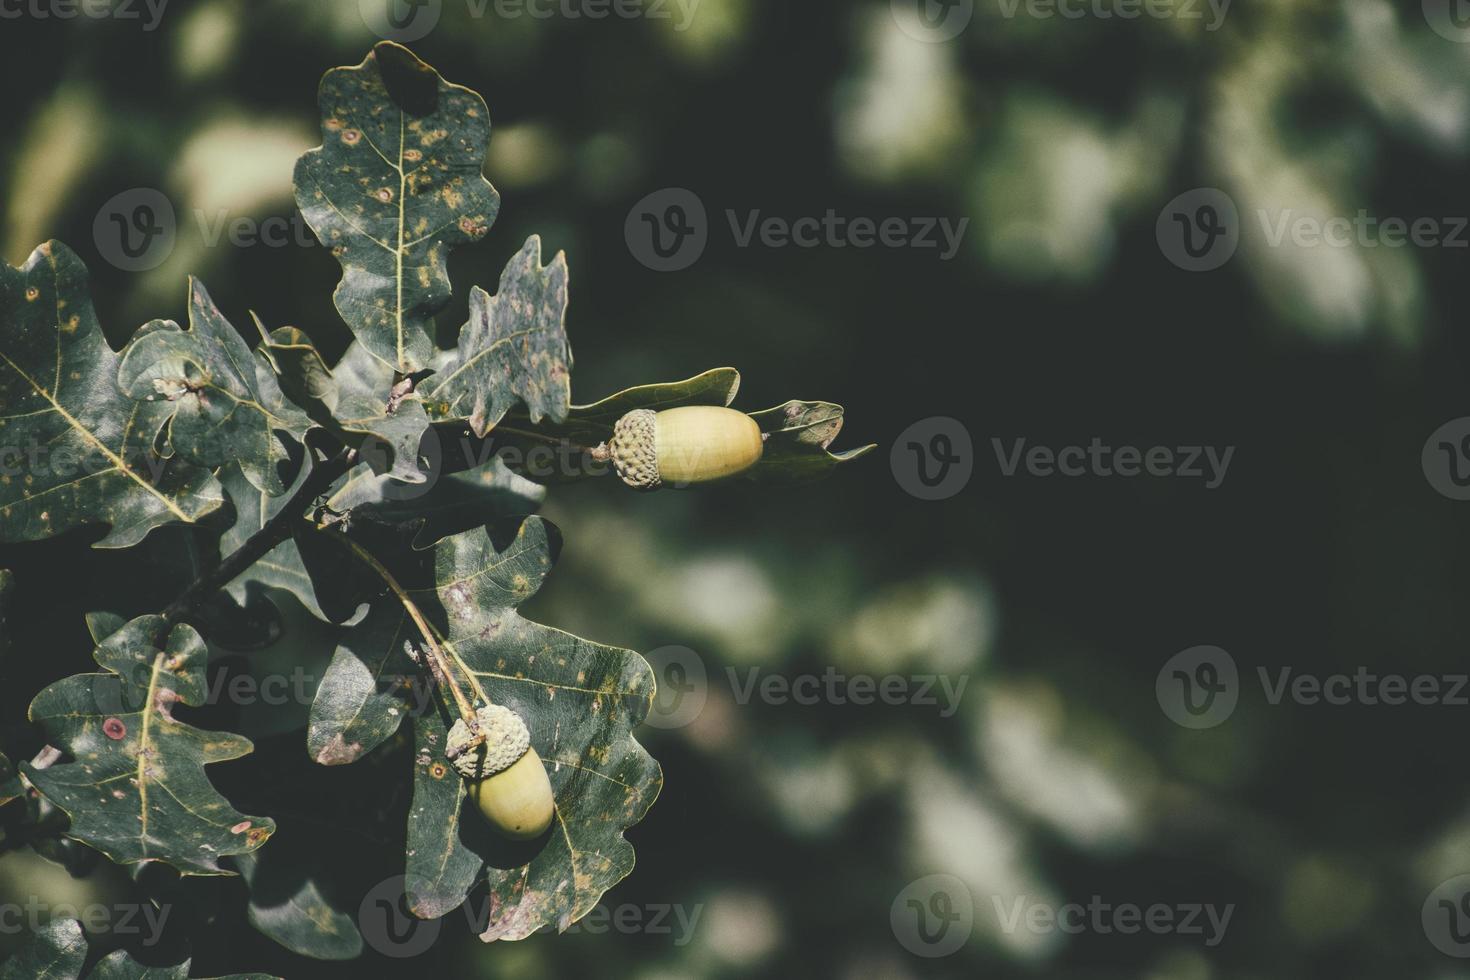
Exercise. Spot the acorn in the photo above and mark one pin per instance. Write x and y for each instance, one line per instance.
(506, 778)
(680, 446)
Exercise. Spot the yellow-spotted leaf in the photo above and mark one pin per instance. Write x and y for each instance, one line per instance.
(135, 787)
(78, 449)
(395, 185)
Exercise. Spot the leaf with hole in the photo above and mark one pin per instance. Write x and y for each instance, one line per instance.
(394, 187)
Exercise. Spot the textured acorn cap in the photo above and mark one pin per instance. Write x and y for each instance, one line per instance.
(634, 448)
(506, 741)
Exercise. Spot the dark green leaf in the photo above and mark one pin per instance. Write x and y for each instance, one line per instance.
(299, 369)
(58, 951)
(10, 787)
(226, 403)
(287, 906)
(513, 349)
(60, 396)
(387, 431)
(797, 437)
(55, 951)
(282, 567)
(355, 401)
(581, 701)
(366, 690)
(136, 789)
(444, 506)
(395, 185)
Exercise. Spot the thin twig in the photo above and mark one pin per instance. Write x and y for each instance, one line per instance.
(272, 533)
(440, 662)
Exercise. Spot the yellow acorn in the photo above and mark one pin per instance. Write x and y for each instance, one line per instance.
(506, 777)
(680, 446)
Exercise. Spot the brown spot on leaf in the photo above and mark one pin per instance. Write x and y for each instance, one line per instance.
(114, 729)
(438, 770)
(240, 827)
(339, 752)
(350, 136)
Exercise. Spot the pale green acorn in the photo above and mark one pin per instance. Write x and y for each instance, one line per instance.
(682, 446)
(506, 778)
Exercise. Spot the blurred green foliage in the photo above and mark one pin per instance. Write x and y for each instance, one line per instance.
(794, 828)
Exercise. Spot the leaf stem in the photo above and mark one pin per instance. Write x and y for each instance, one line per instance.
(438, 660)
(273, 532)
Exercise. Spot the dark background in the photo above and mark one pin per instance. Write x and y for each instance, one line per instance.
(795, 828)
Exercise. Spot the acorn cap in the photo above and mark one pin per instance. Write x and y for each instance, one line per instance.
(634, 448)
(506, 739)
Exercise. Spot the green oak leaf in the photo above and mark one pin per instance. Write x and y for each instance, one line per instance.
(136, 788)
(120, 965)
(287, 906)
(54, 951)
(7, 592)
(388, 431)
(299, 368)
(367, 689)
(446, 505)
(58, 951)
(355, 401)
(59, 396)
(395, 185)
(513, 349)
(797, 437)
(10, 786)
(282, 567)
(226, 403)
(581, 701)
